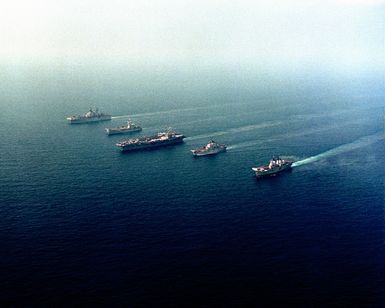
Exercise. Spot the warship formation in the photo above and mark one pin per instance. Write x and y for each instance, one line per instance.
(169, 138)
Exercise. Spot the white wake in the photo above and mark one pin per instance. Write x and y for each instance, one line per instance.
(236, 130)
(359, 143)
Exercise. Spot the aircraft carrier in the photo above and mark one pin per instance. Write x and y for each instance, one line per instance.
(160, 140)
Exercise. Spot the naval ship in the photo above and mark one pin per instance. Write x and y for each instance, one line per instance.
(210, 149)
(90, 116)
(275, 166)
(129, 128)
(160, 140)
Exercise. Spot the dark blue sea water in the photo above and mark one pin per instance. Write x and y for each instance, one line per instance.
(83, 224)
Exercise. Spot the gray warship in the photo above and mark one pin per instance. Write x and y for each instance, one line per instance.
(90, 116)
(160, 140)
(275, 166)
(211, 148)
(124, 129)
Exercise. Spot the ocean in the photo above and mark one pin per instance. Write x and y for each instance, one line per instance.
(84, 224)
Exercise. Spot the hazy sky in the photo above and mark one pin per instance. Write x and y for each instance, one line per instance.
(336, 33)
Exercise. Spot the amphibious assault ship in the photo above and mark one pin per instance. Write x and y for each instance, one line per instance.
(210, 149)
(129, 128)
(275, 166)
(90, 116)
(160, 140)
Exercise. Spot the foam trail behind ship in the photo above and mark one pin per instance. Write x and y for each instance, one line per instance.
(359, 143)
(236, 130)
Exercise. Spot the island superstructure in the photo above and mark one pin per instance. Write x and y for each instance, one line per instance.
(129, 128)
(160, 140)
(90, 116)
(211, 148)
(276, 165)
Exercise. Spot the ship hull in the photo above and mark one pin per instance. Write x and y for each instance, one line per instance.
(198, 154)
(88, 120)
(272, 172)
(155, 145)
(110, 131)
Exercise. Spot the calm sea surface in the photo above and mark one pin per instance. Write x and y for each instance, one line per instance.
(83, 224)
